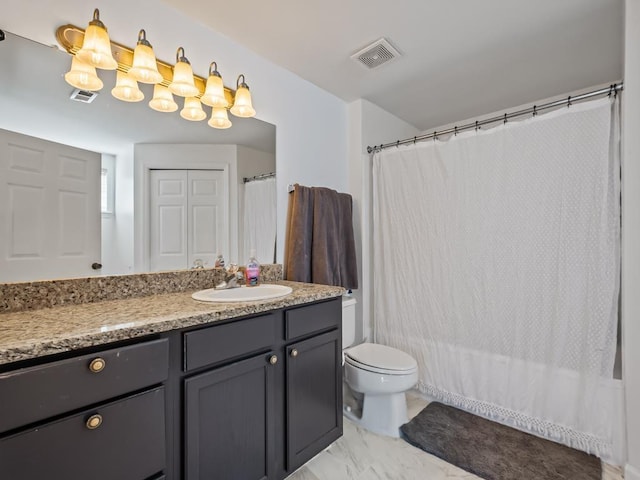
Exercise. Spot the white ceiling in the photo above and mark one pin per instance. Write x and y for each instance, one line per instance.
(460, 58)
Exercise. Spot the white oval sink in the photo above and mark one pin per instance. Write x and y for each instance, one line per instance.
(263, 291)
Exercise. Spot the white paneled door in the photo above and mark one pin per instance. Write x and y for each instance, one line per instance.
(188, 220)
(49, 209)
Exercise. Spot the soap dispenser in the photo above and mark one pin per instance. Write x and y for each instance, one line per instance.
(252, 271)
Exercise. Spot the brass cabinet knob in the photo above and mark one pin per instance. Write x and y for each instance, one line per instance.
(273, 359)
(94, 421)
(97, 365)
(294, 353)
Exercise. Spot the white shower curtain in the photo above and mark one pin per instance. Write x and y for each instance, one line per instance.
(496, 265)
(260, 219)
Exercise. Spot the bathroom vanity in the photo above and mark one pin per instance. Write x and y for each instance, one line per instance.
(164, 387)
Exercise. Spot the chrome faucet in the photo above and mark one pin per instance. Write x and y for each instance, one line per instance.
(231, 279)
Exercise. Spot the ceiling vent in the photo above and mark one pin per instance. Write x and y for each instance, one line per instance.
(376, 54)
(83, 96)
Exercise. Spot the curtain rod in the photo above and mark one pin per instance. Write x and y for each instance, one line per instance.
(259, 177)
(612, 89)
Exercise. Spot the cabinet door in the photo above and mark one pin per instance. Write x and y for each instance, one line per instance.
(314, 396)
(229, 425)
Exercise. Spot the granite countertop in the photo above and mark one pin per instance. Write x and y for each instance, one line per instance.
(30, 334)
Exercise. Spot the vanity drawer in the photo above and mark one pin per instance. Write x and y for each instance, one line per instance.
(223, 342)
(313, 318)
(36, 393)
(128, 444)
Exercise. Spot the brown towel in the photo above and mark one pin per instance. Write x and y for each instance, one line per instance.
(320, 246)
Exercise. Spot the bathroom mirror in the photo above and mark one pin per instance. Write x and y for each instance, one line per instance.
(35, 101)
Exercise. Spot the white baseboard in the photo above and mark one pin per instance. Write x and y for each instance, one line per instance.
(631, 472)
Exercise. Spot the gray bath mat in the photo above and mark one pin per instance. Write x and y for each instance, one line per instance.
(494, 451)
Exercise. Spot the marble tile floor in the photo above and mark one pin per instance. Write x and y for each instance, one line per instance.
(362, 455)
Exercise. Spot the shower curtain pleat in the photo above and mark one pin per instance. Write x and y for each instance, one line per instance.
(260, 219)
(496, 265)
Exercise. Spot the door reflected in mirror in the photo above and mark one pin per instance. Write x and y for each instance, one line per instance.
(50, 144)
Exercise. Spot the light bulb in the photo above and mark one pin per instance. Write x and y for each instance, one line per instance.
(96, 46)
(126, 89)
(162, 100)
(192, 110)
(219, 118)
(145, 67)
(83, 76)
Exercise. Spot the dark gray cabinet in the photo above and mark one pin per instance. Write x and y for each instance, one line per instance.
(244, 399)
(229, 421)
(314, 398)
(263, 415)
(123, 439)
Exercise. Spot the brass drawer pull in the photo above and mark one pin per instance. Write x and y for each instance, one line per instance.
(294, 352)
(97, 365)
(94, 421)
(273, 359)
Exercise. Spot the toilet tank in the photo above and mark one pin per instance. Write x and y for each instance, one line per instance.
(348, 321)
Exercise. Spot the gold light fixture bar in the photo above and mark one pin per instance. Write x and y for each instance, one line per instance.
(71, 37)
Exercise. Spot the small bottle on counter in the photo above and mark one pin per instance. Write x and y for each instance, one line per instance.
(252, 271)
(219, 261)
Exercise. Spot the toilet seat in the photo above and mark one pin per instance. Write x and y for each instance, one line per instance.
(381, 359)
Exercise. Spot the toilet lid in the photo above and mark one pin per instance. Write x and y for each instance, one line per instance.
(381, 357)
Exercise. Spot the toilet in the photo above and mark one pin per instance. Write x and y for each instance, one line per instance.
(379, 376)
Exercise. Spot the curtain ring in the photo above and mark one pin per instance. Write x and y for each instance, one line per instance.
(569, 101)
(611, 90)
(435, 135)
(535, 110)
(397, 143)
(455, 131)
(414, 140)
(505, 118)
(477, 127)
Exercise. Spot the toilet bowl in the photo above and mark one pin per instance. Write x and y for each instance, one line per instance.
(380, 376)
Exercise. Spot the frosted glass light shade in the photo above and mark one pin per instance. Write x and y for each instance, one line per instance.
(219, 118)
(214, 91)
(96, 47)
(242, 106)
(192, 110)
(162, 100)
(83, 76)
(144, 68)
(126, 89)
(183, 84)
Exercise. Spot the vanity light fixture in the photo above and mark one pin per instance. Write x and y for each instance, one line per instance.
(83, 76)
(219, 118)
(141, 65)
(162, 100)
(214, 92)
(96, 47)
(192, 110)
(144, 68)
(126, 89)
(242, 105)
(183, 84)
